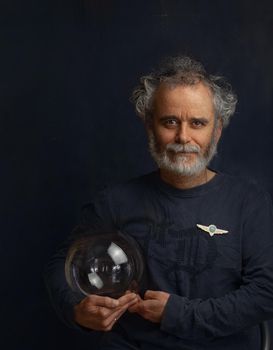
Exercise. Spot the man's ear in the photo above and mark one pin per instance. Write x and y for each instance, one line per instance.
(148, 123)
(219, 129)
(148, 126)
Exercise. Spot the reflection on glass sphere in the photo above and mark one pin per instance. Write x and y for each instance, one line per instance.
(108, 264)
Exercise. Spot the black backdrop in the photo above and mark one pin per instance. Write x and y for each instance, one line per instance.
(67, 127)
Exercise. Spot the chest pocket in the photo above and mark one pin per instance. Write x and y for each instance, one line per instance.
(181, 250)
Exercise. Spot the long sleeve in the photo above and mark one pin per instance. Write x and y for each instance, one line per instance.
(95, 218)
(250, 304)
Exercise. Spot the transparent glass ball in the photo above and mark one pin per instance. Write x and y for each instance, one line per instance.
(108, 265)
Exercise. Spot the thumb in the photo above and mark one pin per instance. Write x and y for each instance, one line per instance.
(151, 294)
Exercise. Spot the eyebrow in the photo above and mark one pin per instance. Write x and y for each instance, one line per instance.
(200, 119)
(165, 117)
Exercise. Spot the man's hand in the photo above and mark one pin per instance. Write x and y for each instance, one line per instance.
(100, 313)
(152, 306)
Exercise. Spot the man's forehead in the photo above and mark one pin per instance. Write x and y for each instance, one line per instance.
(198, 95)
(165, 86)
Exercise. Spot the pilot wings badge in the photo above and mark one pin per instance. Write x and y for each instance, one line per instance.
(211, 230)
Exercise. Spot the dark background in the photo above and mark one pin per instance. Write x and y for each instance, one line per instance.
(67, 128)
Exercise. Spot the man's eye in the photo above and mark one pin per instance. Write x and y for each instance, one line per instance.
(197, 123)
(170, 122)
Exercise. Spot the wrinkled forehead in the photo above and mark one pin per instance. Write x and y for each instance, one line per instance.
(197, 84)
(195, 96)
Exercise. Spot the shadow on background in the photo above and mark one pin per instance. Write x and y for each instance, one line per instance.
(68, 129)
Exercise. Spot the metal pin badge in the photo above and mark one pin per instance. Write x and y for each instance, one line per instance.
(211, 229)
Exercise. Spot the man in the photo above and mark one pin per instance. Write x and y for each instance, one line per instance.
(207, 237)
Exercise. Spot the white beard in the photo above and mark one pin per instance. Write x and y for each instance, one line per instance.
(182, 164)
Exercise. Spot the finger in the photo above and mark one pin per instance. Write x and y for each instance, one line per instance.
(103, 313)
(150, 304)
(127, 298)
(130, 305)
(134, 308)
(136, 305)
(118, 314)
(110, 322)
(104, 321)
(153, 294)
(103, 301)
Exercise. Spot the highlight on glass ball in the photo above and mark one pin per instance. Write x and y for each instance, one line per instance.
(104, 264)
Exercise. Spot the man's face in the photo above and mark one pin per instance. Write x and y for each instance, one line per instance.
(183, 134)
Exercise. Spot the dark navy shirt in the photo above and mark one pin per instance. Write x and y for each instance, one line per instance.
(221, 285)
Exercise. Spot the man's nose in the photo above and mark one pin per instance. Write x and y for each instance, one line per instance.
(183, 134)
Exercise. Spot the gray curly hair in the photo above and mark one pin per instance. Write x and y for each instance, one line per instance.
(183, 70)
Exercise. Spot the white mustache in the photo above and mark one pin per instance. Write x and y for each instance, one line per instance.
(175, 147)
